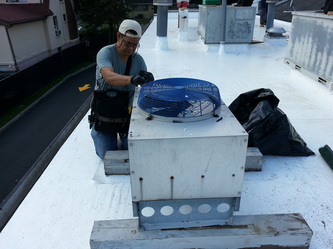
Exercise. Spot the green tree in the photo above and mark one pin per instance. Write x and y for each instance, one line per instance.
(96, 14)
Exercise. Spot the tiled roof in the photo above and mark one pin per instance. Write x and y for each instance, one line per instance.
(21, 13)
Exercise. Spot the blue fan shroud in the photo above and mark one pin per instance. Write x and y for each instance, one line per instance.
(180, 99)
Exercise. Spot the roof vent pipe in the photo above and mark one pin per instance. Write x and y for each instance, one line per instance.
(273, 33)
(270, 14)
(223, 20)
(162, 16)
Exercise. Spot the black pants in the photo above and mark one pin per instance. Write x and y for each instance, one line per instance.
(263, 16)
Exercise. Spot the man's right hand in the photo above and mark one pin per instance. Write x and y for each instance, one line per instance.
(142, 78)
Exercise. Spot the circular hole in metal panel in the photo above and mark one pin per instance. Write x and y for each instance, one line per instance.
(147, 211)
(185, 209)
(204, 208)
(167, 210)
(223, 207)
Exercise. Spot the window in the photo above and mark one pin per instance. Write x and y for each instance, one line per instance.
(56, 26)
(55, 22)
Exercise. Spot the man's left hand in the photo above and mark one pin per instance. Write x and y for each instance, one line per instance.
(147, 75)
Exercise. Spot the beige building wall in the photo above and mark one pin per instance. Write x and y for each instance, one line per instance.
(28, 40)
(5, 51)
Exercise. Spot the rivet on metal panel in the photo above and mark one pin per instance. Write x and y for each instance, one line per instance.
(149, 118)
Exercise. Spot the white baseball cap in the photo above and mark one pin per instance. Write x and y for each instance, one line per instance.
(127, 25)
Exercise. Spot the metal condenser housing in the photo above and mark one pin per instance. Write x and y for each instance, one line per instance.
(174, 160)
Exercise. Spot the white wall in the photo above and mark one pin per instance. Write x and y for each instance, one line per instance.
(28, 40)
(6, 57)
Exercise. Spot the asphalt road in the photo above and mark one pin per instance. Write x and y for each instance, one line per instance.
(29, 143)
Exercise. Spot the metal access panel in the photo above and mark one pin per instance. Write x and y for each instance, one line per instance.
(209, 23)
(202, 159)
(240, 24)
(310, 46)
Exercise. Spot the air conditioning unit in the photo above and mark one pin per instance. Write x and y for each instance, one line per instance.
(187, 154)
(57, 32)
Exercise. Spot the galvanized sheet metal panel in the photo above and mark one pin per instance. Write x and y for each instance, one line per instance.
(311, 43)
(203, 159)
(239, 24)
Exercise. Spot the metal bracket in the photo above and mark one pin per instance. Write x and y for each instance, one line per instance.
(166, 214)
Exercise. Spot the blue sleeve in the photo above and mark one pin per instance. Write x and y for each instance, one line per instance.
(103, 58)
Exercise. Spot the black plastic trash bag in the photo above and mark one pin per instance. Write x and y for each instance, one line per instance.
(268, 127)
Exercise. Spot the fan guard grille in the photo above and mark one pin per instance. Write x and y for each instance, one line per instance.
(179, 99)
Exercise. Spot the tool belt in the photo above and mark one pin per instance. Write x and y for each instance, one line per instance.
(111, 120)
(110, 114)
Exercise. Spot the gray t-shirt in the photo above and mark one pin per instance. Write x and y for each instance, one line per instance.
(109, 57)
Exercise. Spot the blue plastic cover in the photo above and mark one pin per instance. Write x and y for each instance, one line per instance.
(179, 98)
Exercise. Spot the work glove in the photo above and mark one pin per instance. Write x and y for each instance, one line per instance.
(142, 78)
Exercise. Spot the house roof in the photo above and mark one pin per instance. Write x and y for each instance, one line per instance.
(21, 13)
